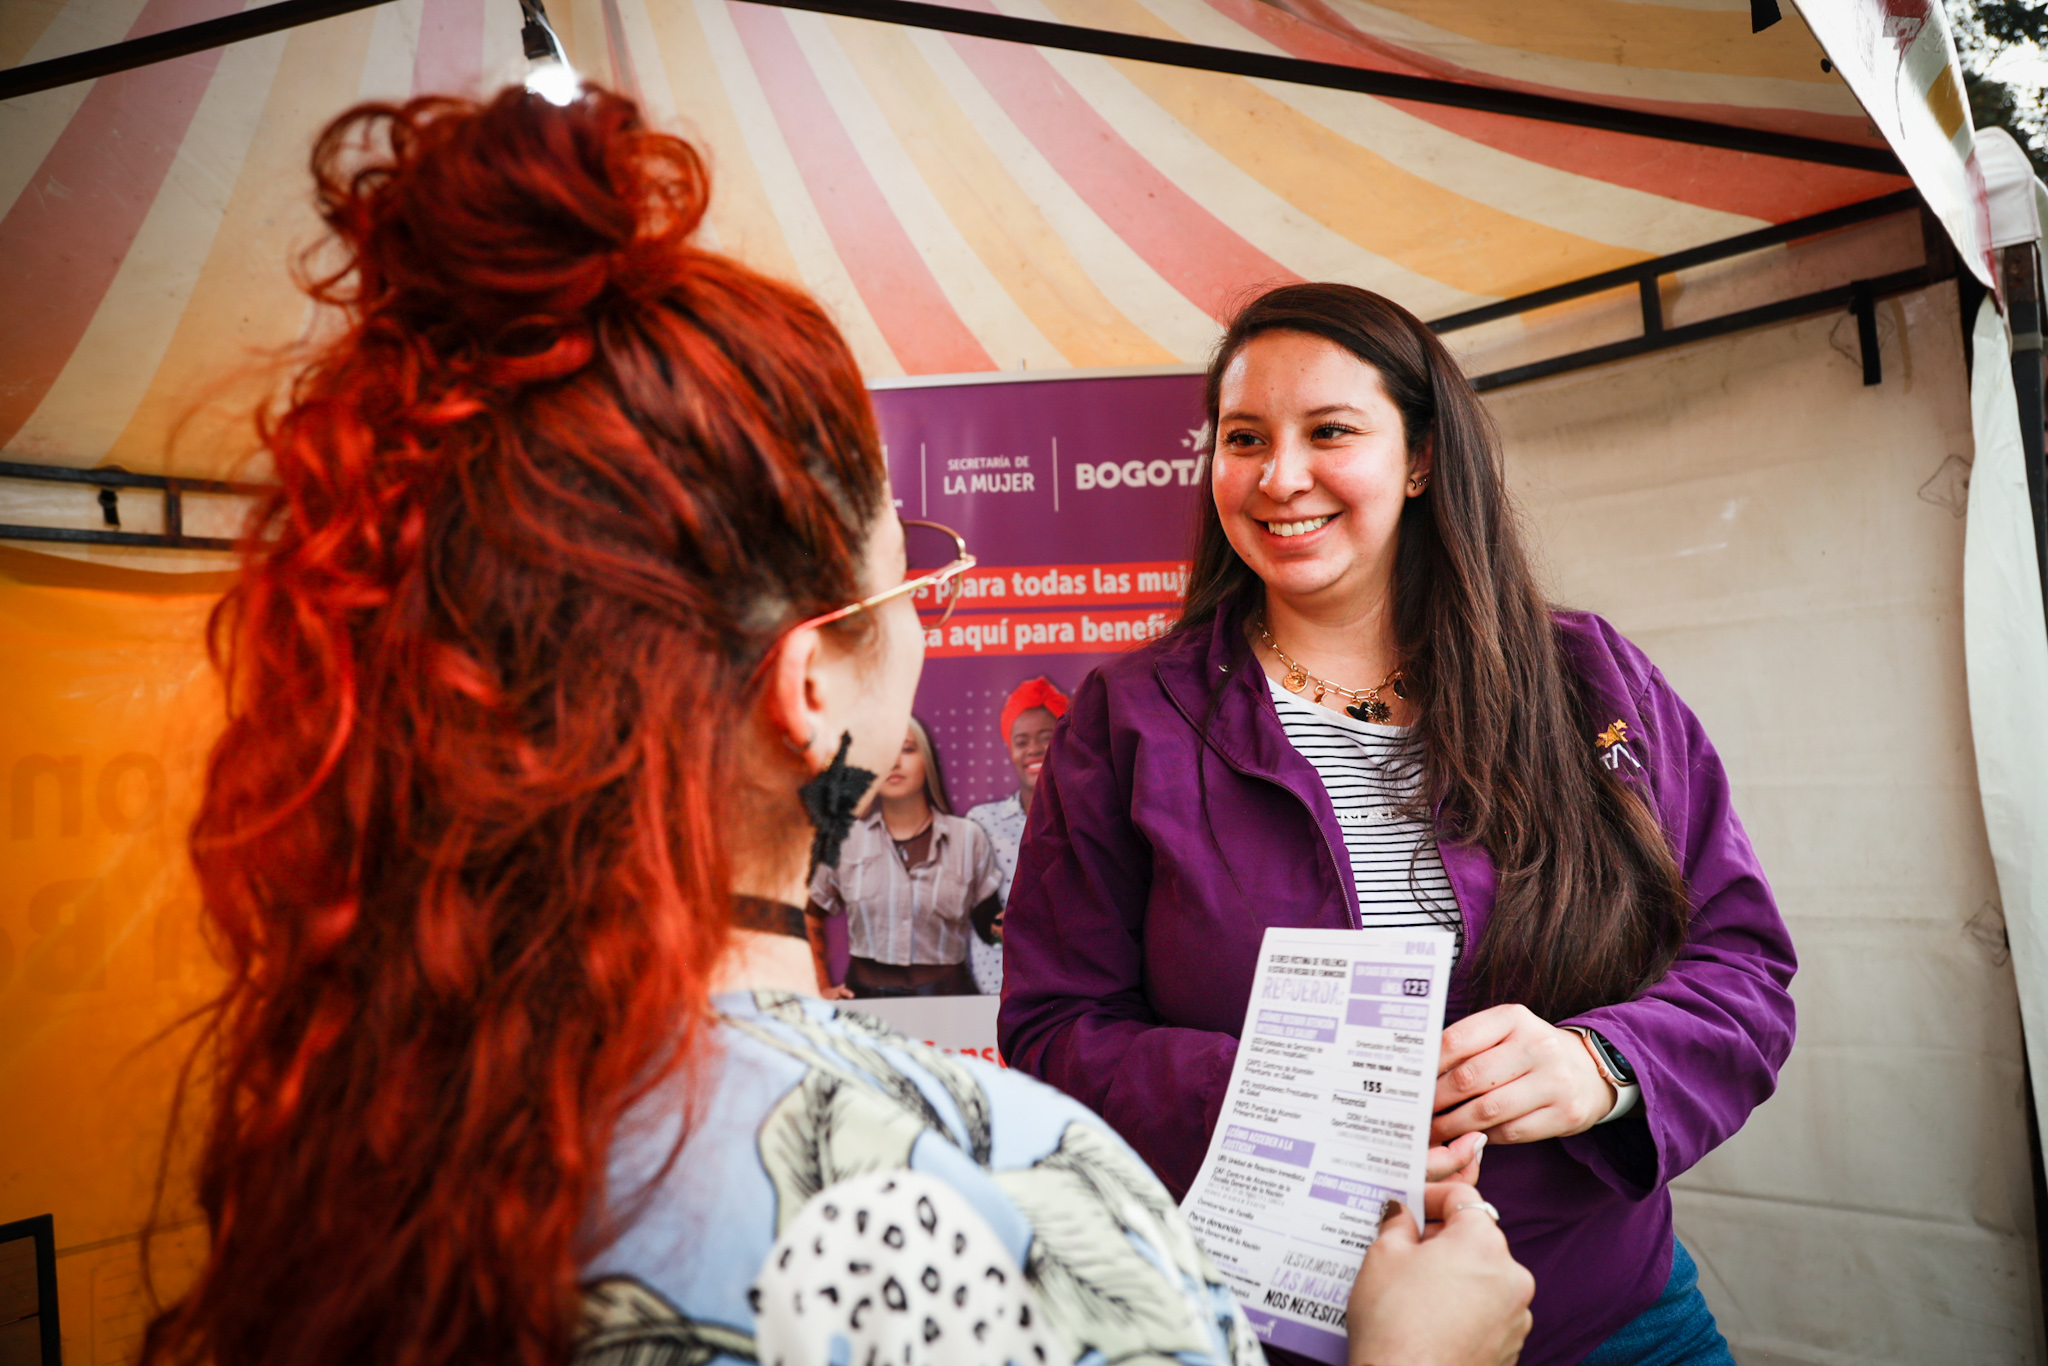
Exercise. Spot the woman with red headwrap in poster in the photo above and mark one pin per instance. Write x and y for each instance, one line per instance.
(1029, 716)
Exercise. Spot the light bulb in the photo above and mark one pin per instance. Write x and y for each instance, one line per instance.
(554, 81)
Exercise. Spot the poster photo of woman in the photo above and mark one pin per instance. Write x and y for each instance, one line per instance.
(1029, 715)
(912, 881)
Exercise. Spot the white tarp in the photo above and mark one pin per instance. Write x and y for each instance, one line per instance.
(1898, 57)
(1788, 545)
(2013, 194)
(2006, 644)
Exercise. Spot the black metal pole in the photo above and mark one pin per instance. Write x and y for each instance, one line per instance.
(1939, 259)
(177, 42)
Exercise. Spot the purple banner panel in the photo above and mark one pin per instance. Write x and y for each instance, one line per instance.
(1390, 979)
(1076, 496)
(1319, 1343)
(1295, 1152)
(1342, 1190)
(1285, 1024)
(1412, 1016)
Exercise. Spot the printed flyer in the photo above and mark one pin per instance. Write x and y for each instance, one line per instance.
(1326, 1119)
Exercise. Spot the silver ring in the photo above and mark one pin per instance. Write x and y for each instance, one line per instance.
(1486, 1205)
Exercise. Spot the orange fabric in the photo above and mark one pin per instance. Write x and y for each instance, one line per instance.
(107, 710)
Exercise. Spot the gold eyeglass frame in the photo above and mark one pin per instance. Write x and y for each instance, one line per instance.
(937, 577)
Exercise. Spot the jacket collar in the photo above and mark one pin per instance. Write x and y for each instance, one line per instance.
(1215, 681)
(1217, 668)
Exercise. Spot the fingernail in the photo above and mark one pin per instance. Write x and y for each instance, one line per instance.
(1479, 1146)
(1390, 1209)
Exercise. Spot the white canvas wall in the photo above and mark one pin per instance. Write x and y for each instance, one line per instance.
(1788, 544)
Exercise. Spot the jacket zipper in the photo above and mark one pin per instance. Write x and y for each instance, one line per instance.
(1357, 921)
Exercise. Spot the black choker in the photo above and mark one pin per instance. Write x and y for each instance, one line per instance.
(763, 916)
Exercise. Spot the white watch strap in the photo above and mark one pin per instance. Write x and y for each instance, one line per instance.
(1625, 1099)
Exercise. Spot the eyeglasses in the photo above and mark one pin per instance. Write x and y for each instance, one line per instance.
(936, 557)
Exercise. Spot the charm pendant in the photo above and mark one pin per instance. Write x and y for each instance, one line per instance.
(1370, 709)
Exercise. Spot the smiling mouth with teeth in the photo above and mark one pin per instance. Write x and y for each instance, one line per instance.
(1300, 528)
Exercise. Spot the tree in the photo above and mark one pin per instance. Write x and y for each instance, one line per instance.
(2004, 49)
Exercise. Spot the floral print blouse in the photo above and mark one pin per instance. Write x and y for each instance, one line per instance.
(844, 1196)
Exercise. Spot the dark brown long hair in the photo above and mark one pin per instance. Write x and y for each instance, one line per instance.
(1591, 907)
(544, 500)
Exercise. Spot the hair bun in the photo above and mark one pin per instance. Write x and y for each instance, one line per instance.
(507, 224)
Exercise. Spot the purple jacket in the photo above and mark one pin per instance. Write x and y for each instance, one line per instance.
(1132, 930)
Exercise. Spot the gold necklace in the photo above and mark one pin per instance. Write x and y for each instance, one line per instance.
(1366, 704)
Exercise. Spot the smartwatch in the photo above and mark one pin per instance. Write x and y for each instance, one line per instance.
(1606, 1057)
(1613, 1069)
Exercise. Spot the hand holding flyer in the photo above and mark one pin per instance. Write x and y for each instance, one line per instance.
(1325, 1120)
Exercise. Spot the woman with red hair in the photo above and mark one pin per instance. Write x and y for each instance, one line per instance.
(574, 632)
(1030, 713)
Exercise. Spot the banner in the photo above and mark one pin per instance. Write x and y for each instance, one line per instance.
(1077, 496)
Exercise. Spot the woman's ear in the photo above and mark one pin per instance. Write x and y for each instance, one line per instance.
(1420, 464)
(795, 702)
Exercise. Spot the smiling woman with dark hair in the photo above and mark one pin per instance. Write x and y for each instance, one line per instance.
(1368, 715)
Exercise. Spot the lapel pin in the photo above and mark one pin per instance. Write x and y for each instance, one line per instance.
(1614, 750)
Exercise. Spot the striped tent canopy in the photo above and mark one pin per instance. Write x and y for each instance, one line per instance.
(960, 204)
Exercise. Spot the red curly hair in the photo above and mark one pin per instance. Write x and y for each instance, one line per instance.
(542, 506)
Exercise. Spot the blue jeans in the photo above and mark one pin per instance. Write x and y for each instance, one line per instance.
(1678, 1330)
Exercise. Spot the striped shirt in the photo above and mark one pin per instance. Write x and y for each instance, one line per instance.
(1369, 772)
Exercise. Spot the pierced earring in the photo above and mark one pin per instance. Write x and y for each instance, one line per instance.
(1418, 484)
